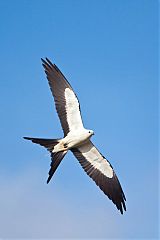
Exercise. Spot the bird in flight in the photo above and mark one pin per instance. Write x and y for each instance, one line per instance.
(77, 139)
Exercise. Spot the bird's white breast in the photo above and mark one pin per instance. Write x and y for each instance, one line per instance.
(76, 138)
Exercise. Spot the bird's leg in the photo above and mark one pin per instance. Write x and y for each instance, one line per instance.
(65, 145)
(60, 147)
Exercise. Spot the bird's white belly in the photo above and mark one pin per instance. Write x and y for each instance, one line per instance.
(76, 140)
(71, 141)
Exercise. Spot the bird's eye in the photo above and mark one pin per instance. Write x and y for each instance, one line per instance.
(89, 131)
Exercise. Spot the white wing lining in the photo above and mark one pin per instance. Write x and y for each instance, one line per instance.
(93, 156)
(73, 112)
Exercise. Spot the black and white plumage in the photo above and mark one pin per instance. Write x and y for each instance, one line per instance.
(77, 139)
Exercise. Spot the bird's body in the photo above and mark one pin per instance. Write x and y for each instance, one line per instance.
(73, 139)
(77, 139)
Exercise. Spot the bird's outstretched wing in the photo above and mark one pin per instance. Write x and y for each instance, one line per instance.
(67, 104)
(100, 170)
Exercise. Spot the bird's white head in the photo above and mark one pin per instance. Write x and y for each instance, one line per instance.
(90, 132)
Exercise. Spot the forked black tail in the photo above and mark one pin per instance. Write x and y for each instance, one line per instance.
(56, 157)
(47, 143)
(56, 160)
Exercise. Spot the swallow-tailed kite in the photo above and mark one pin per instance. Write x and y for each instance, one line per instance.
(77, 139)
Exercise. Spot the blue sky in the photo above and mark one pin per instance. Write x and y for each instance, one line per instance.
(108, 50)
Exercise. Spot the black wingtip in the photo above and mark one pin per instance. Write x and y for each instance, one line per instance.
(43, 61)
(46, 60)
(121, 211)
(122, 207)
(47, 64)
(27, 138)
(48, 180)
